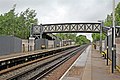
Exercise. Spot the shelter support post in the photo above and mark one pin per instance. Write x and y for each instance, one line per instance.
(107, 50)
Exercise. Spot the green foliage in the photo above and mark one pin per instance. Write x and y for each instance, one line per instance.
(67, 36)
(96, 36)
(108, 22)
(17, 24)
(117, 14)
(81, 39)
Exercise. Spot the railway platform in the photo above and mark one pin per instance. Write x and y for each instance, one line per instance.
(10, 60)
(90, 66)
(13, 55)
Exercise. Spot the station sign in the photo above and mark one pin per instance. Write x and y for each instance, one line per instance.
(110, 31)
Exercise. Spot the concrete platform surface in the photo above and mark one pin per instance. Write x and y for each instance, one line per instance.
(90, 66)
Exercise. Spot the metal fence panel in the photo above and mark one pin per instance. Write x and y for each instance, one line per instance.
(118, 51)
(40, 42)
(56, 43)
(51, 43)
(10, 44)
(110, 46)
(105, 44)
(17, 44)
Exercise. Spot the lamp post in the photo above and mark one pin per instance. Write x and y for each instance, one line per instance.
(114, 19)
(113, 40)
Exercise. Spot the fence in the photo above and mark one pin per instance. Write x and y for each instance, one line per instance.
(10, 44)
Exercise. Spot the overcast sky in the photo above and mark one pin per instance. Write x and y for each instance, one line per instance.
(57, 11)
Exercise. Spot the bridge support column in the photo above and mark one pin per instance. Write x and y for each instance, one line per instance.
(41, 31)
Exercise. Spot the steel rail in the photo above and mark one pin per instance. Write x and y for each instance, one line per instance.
(18, 67)
(52, 64)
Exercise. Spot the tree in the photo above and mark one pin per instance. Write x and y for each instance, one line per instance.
(108, 20)
(17, 24)
(7, 22)
(67, 36)
(117, 14)
(27, 18)
(81, 39)
(96, 36)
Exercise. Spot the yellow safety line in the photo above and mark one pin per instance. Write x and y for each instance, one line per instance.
(117, 67)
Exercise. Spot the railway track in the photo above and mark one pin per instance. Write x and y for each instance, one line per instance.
(9, 61)
(37, 69)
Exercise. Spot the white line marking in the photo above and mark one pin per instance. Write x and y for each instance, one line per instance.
(71, 66)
